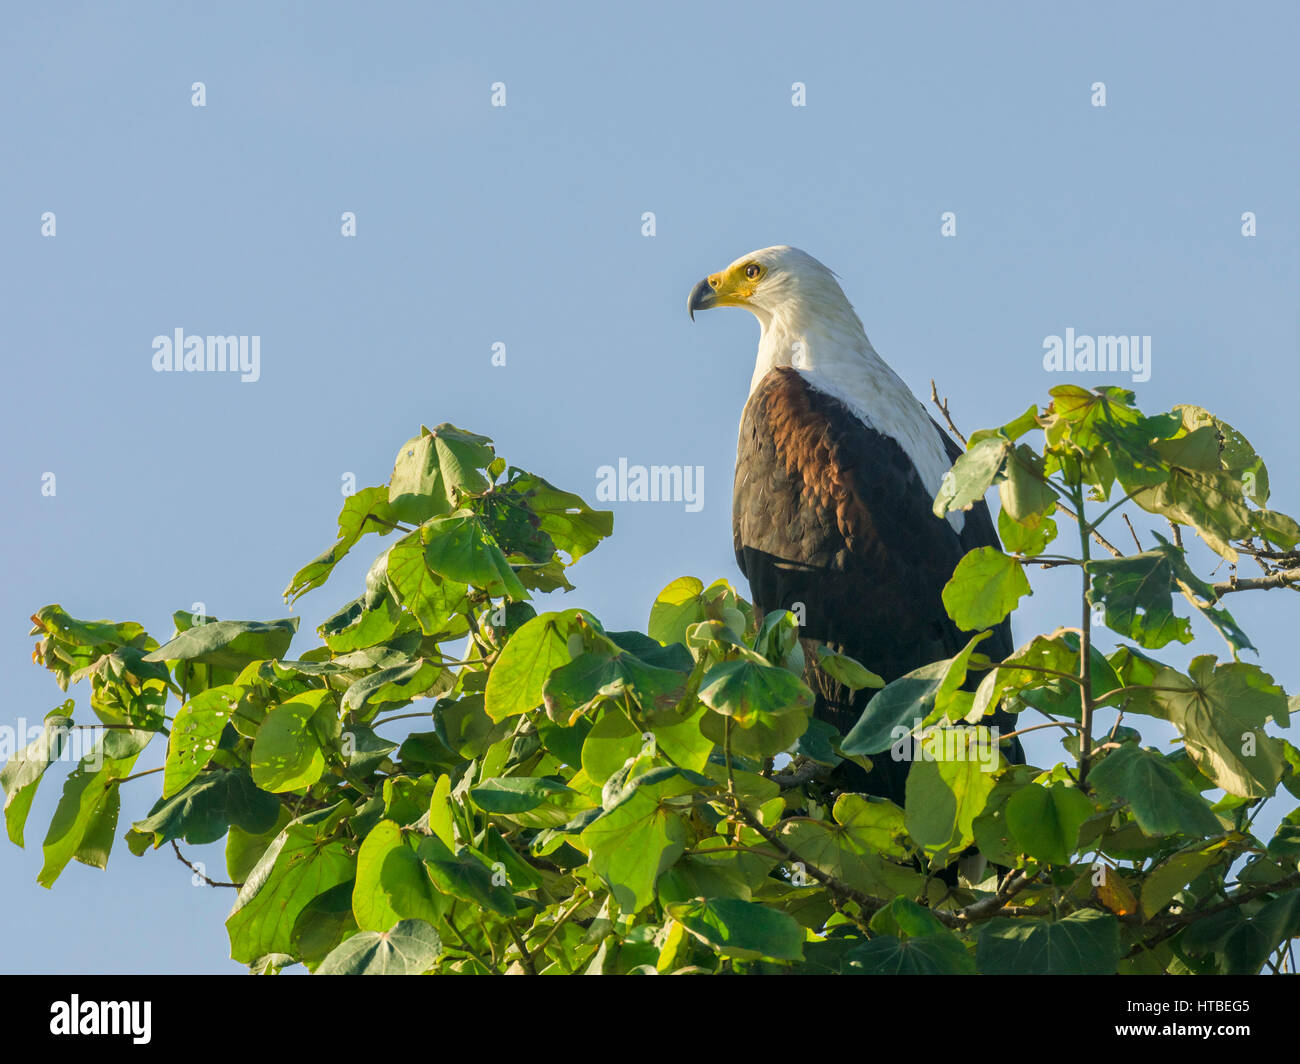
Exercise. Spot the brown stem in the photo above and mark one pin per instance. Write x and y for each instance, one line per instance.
(943, 409)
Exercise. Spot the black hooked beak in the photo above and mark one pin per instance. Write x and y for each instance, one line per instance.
(701, 298)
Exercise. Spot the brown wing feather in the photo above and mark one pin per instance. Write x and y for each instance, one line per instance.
(830, 520)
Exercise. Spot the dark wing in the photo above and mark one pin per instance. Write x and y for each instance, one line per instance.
(831, 520)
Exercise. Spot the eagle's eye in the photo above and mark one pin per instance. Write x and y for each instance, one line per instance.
(753, 270)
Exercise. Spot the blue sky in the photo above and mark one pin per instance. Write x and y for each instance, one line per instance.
(523, 225)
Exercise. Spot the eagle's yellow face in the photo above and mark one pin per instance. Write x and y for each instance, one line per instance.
(732, 287)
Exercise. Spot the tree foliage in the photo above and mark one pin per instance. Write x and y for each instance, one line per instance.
(562, 798)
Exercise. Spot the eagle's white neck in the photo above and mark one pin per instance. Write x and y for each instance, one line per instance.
(823, 339)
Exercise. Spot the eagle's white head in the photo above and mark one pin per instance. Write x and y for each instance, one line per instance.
(808, 323)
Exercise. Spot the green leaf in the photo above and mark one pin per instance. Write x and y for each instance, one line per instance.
(85, 819)
(675, 609)
(1163, 802)
(304, 861)
(735, 928)
(416, 491)
(287, 755)
(596, 675)
(612, 741)
(537, 649)
(354, 522)
(938, 954)
(229, 644)
(1236, 455)
(971, 475)
(945, 794)
(459, 548)
(1221, 712)
(1278, 528)
(899, 705)
(391, 883)
(1084, 943)
(686, 602)
(871, 825)
(906, 919)
(1077, 414)
(436, 602)
(573, 526)
(22, 773)
(985, 587)
(409, 948)
(1029, 537)
(1207, 500)
(532, 801)
(323, 924)
(1169, 877)
(206, 807)
(1025, 495)
(195, 734)
(848, 856)
(363, 750)
(356, 628)
(1045, 821)
(746, 691)
(640, 834)
(1137, 592)
(396, 686)
(244, 850)
(852, 674)
(467, 876)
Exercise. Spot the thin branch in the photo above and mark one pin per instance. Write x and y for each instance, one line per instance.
(1101, 540)
(398, 716)
(526, 958)
(1012, 884)
(943, 409)
(390, 524)
(1235, 901)
(210, 882)
(1136, 542)
(1086, 704)
(1248, 547)
(1035, 727)
(128, 779)
(1282, 578)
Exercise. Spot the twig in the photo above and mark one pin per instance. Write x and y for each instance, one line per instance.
(399, 716)
(1086, 703)
(1012, 885)
(1035, 727)
(943, 409)
(128, 779)
(1237, 899)
(1281, 578)
(210, 882)
(1114, 551)
(1137, 542)
(390, 524)
(526, 958)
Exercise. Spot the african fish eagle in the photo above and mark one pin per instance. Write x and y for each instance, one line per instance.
(837, 467)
